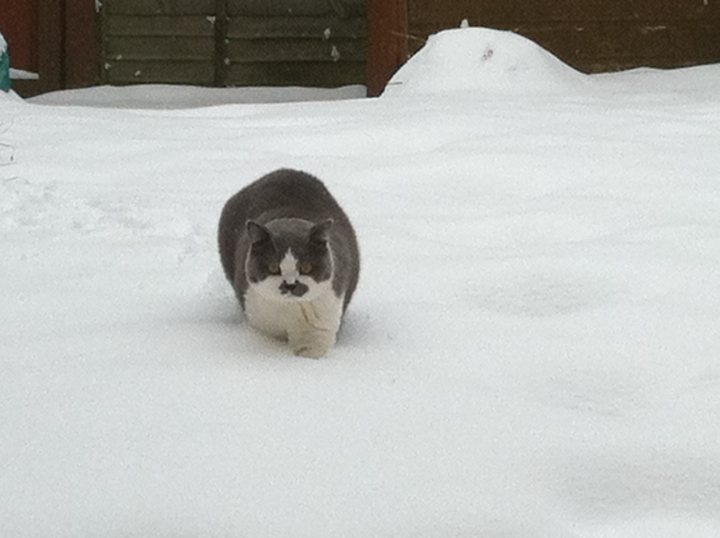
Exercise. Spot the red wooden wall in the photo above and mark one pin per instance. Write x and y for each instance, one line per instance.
(19, 25)
(55, 38)
(387, 42)
(590, 35)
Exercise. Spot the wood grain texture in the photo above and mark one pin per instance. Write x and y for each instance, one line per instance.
(388, 42)
(162, 25)
(480, 12)
(161, 48)
(159, 7)
(81, 44)
(591, 35)
(296, 8)
(166, 72)
(50, 45)
(310, 74)
(235, 43)
(321, 27)
(295, 50)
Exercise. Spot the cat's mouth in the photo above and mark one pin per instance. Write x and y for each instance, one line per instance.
(294, 289)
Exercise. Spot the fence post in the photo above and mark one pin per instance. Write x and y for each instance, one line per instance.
(221, 48)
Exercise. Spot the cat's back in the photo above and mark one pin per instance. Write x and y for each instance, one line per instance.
(284, 192)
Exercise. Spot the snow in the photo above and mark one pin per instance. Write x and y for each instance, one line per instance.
(6, 97)
(532, 351)
(483, 60)
(22, 74)
(159, 96)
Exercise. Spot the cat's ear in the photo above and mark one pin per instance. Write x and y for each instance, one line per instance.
(319, 232)
(257, 232)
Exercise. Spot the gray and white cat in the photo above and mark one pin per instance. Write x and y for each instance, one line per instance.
(291, 255)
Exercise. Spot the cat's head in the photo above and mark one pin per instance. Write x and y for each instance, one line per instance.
(289, 259)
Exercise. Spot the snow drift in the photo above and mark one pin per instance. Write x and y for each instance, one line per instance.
(161, 96)
(482, 60)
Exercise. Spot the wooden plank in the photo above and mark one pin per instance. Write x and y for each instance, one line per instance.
(387, 42)
(19, 26)
(220, 54)
(182, 25)
(50, 49)
(601, 39)
(297, 27)
(702, 38)
(27, 88)
(321, 75)
(279, 8)
(624, 40)
(622, 44)
(104, 38)
(82, 54)
(295, 50)
(159, 72)
(491, 12)
(160, 48)
(159, 7)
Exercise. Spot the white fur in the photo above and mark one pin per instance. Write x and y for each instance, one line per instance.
(309, 323)
(288, 267)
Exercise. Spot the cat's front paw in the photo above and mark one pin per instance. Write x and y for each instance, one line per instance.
(313, 346)
(311, 352)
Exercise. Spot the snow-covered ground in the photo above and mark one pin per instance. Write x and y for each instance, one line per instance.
(533, 351)
(22, 74)
(159, 96)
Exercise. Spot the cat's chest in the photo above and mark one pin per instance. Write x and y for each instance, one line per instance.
(278, 318)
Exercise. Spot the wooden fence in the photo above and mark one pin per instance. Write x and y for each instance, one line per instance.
(234, 42)
(590, 35)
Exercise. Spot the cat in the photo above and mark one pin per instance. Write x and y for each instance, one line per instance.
(291, 255)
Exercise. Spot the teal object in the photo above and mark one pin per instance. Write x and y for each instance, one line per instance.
(4, 71)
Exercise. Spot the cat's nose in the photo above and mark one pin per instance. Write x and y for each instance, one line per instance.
(288, 286)
(297, 289)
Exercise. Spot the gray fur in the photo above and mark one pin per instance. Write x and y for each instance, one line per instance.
(287, 209)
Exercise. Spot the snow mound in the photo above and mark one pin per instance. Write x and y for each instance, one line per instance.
(7, 98)
(483, 60)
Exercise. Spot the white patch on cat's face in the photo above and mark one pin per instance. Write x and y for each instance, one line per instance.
(289, 267)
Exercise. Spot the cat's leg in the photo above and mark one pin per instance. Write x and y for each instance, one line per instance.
(311, 343)
(314, 333)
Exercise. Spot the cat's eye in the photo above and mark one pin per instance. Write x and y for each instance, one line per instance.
(305, 268)
(274, 268)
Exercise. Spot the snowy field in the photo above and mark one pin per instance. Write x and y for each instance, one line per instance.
(533, 350)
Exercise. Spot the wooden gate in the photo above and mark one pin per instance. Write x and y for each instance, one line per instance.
(234, 42)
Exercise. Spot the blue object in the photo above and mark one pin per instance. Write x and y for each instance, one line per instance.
(4, 69)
